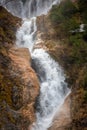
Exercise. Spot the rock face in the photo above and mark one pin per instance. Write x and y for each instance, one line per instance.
(20, 67)
(19, 85)
(63, 118)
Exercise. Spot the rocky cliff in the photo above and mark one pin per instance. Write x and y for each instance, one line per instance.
(19, 84)
(63, 38)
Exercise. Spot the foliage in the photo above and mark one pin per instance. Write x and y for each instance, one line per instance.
(66, 19)
(63, 14)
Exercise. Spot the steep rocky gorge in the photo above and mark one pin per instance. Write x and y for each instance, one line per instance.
(24, 85)
(68, 47)
(19, 85)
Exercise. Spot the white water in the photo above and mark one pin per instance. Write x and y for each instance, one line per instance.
(27, 33)
(28, 8)
(34, 8)
(53, 89)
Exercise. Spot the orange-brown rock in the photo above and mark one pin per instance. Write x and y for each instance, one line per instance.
(19, 85)
(21, 61)
(62, 118)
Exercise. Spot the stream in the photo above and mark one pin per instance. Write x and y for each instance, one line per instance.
(53, 88)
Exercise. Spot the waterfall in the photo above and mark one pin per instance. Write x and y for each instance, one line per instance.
(34, 8)
(13, 6)
(53, 88)
(28, 8)
(27, 33)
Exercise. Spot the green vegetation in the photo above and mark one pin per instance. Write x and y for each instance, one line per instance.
(66, 19)
(63, 15)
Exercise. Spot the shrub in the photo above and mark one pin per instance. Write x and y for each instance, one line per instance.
(63, 11)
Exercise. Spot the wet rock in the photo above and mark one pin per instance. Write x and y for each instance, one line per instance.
(62, 118)
(27, 87)
(19, 84)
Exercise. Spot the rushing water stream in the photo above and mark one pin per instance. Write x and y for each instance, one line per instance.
(53, 88)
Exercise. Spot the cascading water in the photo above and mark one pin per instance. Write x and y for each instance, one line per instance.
(34, 8)
(14, 6)
(53, 89)
(28, 8)
(27, 33)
